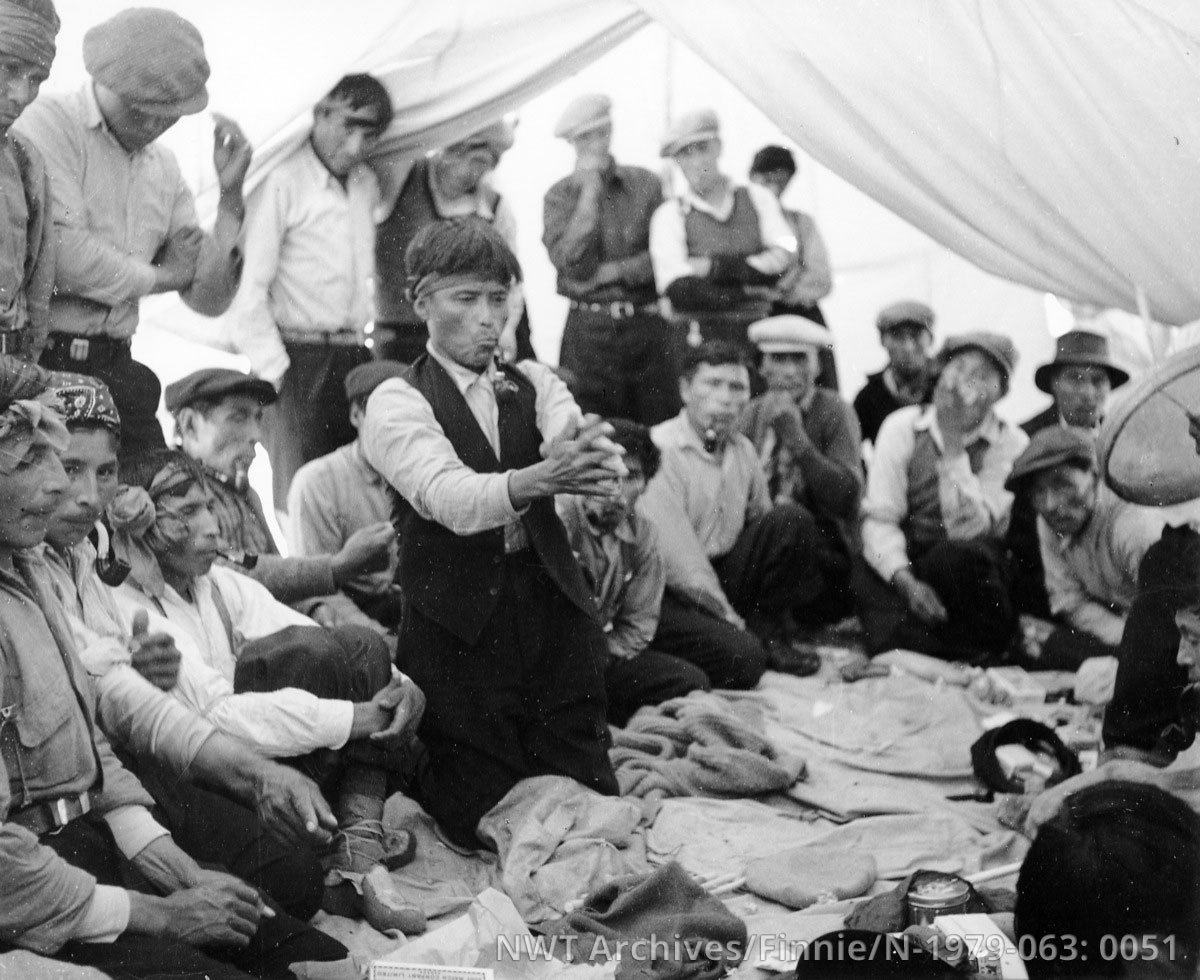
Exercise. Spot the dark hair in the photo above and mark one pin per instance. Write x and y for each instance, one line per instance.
(712, 352)
(140, 469)
(1120, 859)
(773, 158)
(635, 439)
(362, 92)
(466, 246)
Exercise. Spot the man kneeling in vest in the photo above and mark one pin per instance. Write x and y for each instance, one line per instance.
(498, 627)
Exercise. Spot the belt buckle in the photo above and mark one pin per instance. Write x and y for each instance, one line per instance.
(79, 349)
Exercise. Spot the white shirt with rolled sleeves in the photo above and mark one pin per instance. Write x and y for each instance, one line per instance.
(973, 505)
(283, 723)
(668, 234)
(404, 441)
(309, 259)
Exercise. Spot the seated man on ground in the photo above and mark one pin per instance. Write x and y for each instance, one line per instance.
(934, 575)
(219, 422)
(66, 847)
(1092, 545)
(274, 847)
(728, 549)
(334, 497)
(499, 626)
(1081, 377)
(327, 699)
(1111, 886)
(811, 451)
(618, 552)
(906, 332)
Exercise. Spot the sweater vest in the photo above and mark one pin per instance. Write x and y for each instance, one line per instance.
(454, 579)
(739, 235)
(923, 526)
(415, 208)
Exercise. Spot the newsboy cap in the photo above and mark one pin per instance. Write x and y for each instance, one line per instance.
(583, 114)
(216, 383)
(152, 58)
(1080, 347)
(497, 137)
(906, 311)
(788, 332)
(998, 349)
(691, 127)
(1048, 448)
(365, 378)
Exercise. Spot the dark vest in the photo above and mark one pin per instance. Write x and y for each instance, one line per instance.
(923, 525)
(455, 579)
(739, 235)
(415, 208)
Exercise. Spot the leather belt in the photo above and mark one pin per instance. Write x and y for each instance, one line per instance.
(46, 816)
(11, 341)
(322, 338)
(94, 347)
(618, 309)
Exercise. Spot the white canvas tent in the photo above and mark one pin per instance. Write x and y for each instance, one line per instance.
(1053, 143)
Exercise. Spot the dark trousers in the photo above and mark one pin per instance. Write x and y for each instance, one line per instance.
(526, 699)
(651, 677)
(730, 658)
(1145, 709)
(1067, 649)
(772, 568)
(310, 418)
(621, 368)
(971, 579)
(89, 845)
(135, 388)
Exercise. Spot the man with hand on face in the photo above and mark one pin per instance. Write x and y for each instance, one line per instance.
(499, 625)
(272, 849)
(808, 441)
(309, 278)
(1092, 545)
(730, 551)
(906, 332)
(219, 421)
(260, 671)
(27, 32)
(71, 814)
(597, 231)
(124, 219)
(934, 576)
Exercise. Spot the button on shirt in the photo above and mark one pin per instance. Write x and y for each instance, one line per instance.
(113, 210)
(403, 440)
(309, 259)
(973, 504)
(699, 502)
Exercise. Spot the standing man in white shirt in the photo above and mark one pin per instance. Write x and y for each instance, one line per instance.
(308, 281)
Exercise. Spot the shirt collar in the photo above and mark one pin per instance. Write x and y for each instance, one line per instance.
(690, 200)
(989, 430)
(319, 173)
(686, 437)
(463, 377)
(360, 461)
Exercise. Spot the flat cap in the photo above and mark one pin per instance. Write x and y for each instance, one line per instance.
(780, 334)
(365, 378)
(904, 312)
(216, 383)
(1048, 448)
(496, 137)
(82, 398)
(691, 127)
(152, 58)
(998, 348)
(582, 115)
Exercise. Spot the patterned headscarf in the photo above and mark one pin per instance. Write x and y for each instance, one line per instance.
(28, 29)
(85, 399)
(28, 412)
(145, 522)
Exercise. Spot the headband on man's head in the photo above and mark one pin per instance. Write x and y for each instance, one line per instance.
(27, 412)
(432, 282)
(28, 29)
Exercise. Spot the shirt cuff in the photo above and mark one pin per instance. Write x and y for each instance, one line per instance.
(333, 723)
(133, 828)
(107, 916)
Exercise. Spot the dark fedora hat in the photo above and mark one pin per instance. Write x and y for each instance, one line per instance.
(1080, 347)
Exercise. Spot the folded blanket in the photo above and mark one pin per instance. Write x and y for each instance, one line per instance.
(698, 745)
(664, 925)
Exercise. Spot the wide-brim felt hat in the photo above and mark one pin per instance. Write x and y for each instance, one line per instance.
(1080, 347)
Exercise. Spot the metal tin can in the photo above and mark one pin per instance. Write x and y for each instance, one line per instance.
(931, 895)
